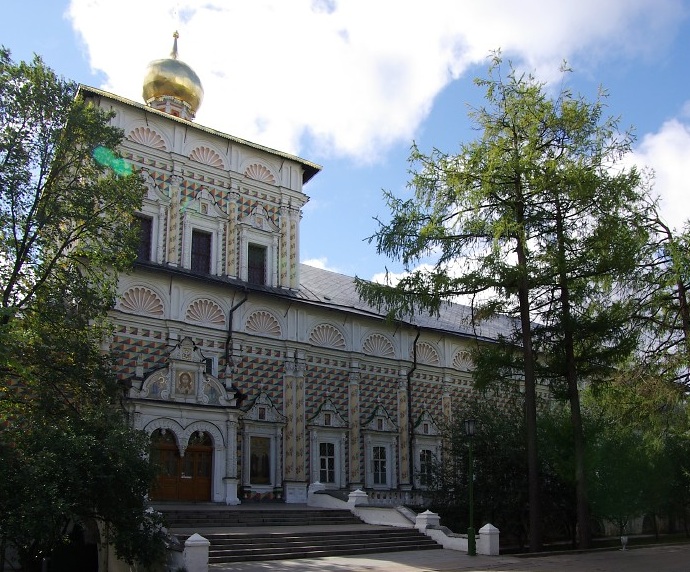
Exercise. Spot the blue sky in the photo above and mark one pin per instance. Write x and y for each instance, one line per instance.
(350, 84)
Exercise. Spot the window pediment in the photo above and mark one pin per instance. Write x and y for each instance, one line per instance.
(187, 351)
(426, 426)
(327, 416)
(263, 410)
(258, 219)
(206, 205)
(380, 421)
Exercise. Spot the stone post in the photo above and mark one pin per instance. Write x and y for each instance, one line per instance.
(196, 553)
(357, 498)
(426, 518)
(488, 540)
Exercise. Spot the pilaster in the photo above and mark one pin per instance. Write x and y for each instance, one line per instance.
(403, 429)
(174, 222)
(353, 407)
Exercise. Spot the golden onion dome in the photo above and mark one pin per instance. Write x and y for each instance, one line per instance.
(172, 78)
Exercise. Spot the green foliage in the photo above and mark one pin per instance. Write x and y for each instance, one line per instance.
(65, 218)
(67, 452)
(537, 220)
(501, 478)
(638, 459)
(660, 288)
(638, 449)
(500, 482)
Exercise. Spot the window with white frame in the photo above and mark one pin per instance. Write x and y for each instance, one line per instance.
(202, 236)
(427, 450)
(153, 211)
(327, 436)
(144, 226)
(327, 463)
(256, 264)
(380, 462)
(201, 251)
(259, 238)
(211, 365)
(261, 438)
(380, 439)
(426, 467)
(379, 467)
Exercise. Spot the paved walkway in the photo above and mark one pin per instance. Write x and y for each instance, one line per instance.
(670, 558)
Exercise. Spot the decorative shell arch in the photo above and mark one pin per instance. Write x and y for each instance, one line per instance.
(149, 137)
(141, 300)
(462, 360)
(207, 156)
(206, 312)
(327, 336)
(426, 354)
(259, 172)
(378, 345)
(263, 323)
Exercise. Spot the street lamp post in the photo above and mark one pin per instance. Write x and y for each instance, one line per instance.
(470, 426)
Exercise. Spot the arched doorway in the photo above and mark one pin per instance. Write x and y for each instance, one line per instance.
(185, 478)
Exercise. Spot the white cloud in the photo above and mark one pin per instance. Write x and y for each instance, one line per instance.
(321, 263)
(392, 278)
(352, 77)
(667, 152)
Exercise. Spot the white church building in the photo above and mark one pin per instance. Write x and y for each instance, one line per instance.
(256, 375)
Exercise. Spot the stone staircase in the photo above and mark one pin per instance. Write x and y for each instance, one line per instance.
(244, 517)
(281, 534)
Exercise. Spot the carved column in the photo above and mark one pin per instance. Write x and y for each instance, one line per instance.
(284, 265)
(403, 430)
(230, 479)
(446, 399)
(353, 408)
(293, 262)
(300, 419)
(274, 267)
(447, 409)
(160, 240)
(290, 445)
(221, 226)
(295, 454)
(231, 234)
(231, 460)
(174, 222)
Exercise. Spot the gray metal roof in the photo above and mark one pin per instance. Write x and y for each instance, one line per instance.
(337, 291)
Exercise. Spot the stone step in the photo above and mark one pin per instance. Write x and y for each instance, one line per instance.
(235, 548)
(333, 537)
(243, 518)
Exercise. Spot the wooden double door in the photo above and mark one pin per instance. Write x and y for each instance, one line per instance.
(179, 478)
